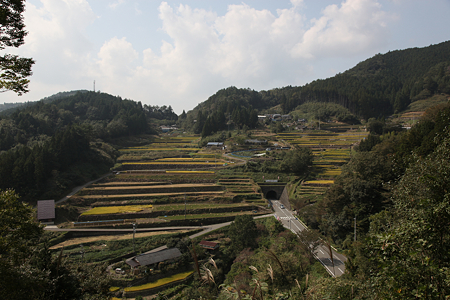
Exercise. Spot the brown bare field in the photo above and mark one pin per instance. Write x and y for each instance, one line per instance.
(150, 186)
(149, 195)
(83, 240)
(124, 183)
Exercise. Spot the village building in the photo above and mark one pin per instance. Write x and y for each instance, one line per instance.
(214, 144)
(256, 142)
(209, 245)
(165, 128)
(46, 211)
(154, 258)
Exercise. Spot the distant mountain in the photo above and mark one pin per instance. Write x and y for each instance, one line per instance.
(9, 108)
(377, 87)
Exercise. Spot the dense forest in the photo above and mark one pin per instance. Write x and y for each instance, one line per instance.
(59, 141)
(396, 189)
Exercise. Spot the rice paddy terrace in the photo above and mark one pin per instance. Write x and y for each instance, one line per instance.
(331, 148)
(173, 182)
(174, 186)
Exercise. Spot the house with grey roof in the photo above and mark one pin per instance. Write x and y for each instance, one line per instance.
(46, 211)
(154, 258)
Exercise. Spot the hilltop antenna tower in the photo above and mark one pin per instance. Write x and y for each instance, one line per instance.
(94, 86)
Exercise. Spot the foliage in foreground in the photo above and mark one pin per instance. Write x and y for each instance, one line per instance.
(27, 268)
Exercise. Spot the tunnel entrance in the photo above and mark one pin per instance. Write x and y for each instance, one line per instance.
(272, 195)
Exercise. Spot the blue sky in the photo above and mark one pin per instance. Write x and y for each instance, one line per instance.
(179, 53)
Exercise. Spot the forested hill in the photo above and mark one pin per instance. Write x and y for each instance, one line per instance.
(377, 87)
(103, 115)
(383, 84)
(48, 147)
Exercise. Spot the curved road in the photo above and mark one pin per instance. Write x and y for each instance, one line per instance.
(322, 253)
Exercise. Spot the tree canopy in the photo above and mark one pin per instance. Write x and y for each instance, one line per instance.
(27, 267)
(14, 70)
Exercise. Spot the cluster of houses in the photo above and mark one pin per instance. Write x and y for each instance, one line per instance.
(165, 128)
(274, 117)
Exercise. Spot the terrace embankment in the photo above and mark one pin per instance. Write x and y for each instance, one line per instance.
(155, 214)
(167, 166)
(151, 189)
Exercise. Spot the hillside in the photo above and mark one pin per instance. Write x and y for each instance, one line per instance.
(377, 87)
(62, 141)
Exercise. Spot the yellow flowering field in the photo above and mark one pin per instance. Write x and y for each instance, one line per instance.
(159, 282)
(190, 172)
(102, 210)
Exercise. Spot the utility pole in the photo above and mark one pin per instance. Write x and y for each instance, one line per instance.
(82, 252)
(134, 231)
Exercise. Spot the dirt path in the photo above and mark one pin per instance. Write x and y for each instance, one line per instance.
(75, 190)
(240, 161)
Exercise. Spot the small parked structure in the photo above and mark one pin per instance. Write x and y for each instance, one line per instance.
(209, 245)
(46, 211)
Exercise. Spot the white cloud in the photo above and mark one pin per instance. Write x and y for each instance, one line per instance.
(57, 39)
(203, 52)
(115, 4)
(245, 47)
(116, 59)
(346, 30)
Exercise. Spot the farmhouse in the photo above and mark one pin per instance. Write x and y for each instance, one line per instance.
(46, 211)
(209, 245)
(151, 259)
(168, 128)
(256, 142)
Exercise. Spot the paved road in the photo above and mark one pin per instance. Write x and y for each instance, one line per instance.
(322, 254)
(124, 230)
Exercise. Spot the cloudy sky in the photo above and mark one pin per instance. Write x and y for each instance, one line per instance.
(179, 53)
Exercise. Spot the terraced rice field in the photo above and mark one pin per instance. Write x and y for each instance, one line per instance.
(117, 209)
(159, 282)
(205, 216)
(323, 139)
(243, 188)
(157, 149)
